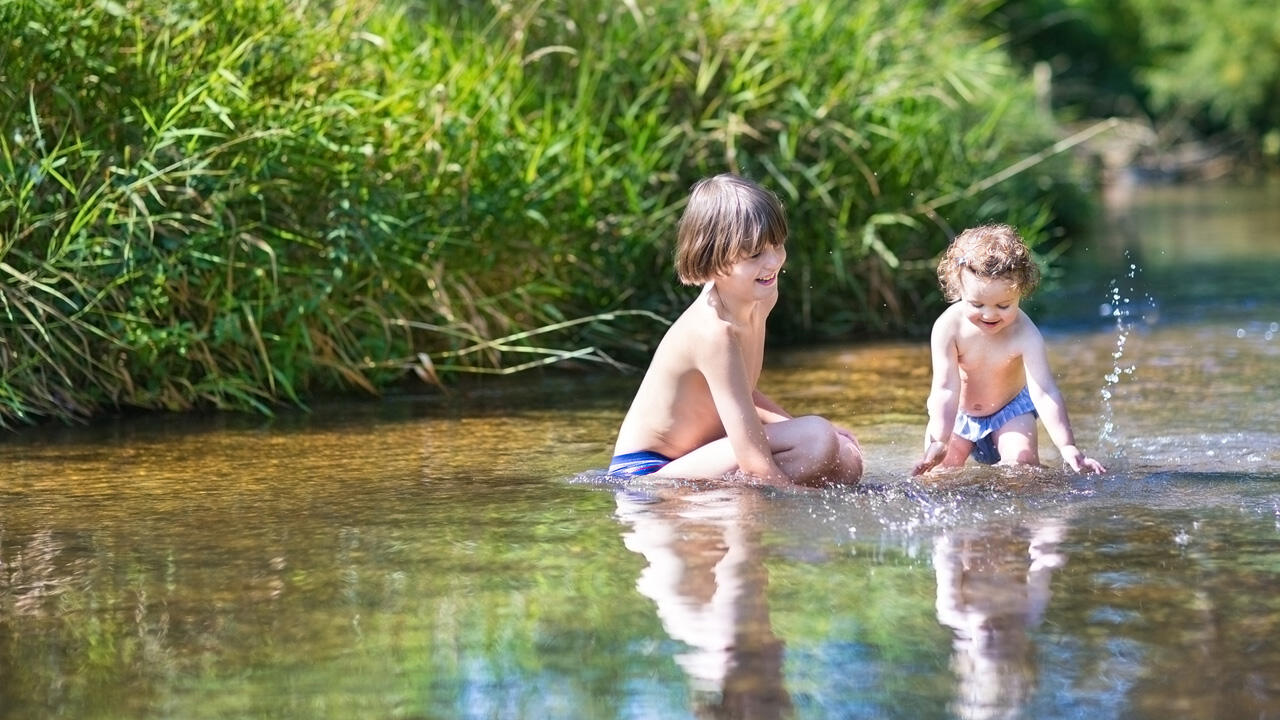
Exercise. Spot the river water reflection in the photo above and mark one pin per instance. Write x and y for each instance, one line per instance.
(462, 557)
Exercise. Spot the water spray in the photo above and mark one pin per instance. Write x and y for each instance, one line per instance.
(1119, 306)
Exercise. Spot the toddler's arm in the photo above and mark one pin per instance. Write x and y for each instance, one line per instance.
(1052, 409)
(944, 397)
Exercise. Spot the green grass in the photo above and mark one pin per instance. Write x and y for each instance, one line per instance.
(206, 204)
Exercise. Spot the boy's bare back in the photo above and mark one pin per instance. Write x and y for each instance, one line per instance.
(673, 412)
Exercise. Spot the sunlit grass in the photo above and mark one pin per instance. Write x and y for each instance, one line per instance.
(233, 206)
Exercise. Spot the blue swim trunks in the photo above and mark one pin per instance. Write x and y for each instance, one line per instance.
(642, 462)
(978, 430)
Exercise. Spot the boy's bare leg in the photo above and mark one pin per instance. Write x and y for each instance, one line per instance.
(811, 451)
(1016, 441)
(808, 449)
(850, 468)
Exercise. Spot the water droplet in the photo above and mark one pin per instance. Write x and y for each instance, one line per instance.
(1119, 307)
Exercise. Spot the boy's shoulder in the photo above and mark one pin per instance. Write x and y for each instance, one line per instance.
(699, 325)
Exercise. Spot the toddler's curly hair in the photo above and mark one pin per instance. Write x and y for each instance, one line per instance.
(988, 251)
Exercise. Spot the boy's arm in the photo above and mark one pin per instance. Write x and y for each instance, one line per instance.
(768, 410)
(1049, 404)
(771, 412)
(944, 395)
(720, 360)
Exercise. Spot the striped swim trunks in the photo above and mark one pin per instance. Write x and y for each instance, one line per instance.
(978, 430)
(642, 462)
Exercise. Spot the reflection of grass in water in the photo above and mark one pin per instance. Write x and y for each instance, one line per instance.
(381, 602)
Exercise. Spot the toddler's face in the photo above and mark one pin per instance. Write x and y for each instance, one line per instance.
(990, 303)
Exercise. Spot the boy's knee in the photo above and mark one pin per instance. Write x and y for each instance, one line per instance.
(827, 443)
(850, 463)
(820, 432)
(843, 456)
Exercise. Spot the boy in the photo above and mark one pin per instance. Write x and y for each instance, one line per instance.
(697, 413)
(990, 372)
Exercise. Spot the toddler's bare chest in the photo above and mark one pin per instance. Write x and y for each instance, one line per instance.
(989, 359)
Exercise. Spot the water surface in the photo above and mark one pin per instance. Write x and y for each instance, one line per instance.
(462, 557)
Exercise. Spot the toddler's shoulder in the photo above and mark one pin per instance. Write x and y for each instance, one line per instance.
(948, 322)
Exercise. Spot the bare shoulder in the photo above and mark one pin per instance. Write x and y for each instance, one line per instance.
(1028, 337)
(947, 327)
(711, 335)
(698, 329)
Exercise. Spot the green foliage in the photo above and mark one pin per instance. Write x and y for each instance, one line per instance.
(1221, 58)
(1212, 63)
(235, 206)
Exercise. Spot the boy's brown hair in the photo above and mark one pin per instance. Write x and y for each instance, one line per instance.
(989, 251)
(727, 218)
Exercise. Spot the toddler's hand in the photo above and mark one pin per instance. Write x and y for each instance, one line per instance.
(932, 456)
(1077, 461)
(1092, 466)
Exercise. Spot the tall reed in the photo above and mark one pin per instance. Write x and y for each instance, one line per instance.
(240, 204)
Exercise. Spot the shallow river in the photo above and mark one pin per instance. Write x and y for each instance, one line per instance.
(463, 557)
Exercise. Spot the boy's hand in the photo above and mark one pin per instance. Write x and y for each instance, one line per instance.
(1077, 461)
(932, 456)
(847, 433)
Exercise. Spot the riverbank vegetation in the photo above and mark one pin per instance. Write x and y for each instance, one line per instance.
(238, 204)
(1201, 79)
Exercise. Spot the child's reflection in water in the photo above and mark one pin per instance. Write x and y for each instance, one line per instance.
(993, 588)
(707, 577)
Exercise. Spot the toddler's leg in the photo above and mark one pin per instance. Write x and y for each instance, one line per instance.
(958, 451)
(1017, 441)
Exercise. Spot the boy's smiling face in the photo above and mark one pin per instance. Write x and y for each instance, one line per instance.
(757, 275)
(990, 303)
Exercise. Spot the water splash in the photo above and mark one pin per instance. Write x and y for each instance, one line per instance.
(1119, 305)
